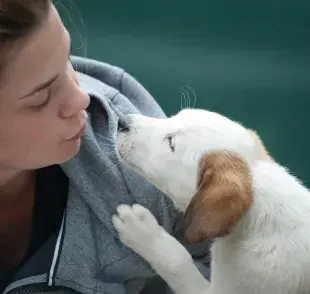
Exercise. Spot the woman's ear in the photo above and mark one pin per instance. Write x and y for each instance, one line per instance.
(224, 193)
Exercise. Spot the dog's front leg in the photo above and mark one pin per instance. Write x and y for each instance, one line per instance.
(139, 230)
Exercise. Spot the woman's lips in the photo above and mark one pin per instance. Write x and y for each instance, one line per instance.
(79, 134)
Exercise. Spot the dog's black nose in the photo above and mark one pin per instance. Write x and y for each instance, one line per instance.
(123, 125)
(122, 128)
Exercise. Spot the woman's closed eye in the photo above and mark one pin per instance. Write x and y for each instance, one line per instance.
(42, 99)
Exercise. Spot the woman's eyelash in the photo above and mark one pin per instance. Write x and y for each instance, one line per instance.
(45, 103)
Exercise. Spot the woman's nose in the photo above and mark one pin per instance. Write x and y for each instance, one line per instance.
(72, 74)
(77, 99)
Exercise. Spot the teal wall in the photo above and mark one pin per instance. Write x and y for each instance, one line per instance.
(249, 60)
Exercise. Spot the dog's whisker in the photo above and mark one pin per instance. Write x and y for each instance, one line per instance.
(191, 90)
(110, 152)
(187, 99)
(106, 138)
(111, 168)
(187, 93)
(109, 145)
(182, 97)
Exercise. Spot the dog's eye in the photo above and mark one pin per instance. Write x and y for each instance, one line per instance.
(171, 143)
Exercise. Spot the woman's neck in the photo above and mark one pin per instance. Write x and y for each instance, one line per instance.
(13, 183)
(17, 192)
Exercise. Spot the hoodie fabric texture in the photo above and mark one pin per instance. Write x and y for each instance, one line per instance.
(86, 255)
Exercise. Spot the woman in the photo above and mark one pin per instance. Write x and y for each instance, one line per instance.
(59, 189)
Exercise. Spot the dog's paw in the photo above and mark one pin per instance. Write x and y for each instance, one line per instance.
(137, 227)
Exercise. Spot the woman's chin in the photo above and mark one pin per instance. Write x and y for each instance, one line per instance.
(70, 149)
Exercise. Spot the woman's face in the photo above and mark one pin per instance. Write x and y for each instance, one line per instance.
(42, 107)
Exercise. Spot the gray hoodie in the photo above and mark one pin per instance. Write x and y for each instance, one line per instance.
(86, 256)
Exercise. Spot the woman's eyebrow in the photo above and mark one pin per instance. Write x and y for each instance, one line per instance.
(40, 87)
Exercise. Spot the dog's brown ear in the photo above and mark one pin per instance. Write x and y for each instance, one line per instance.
(224, 194)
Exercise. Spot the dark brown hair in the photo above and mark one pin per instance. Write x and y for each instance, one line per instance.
(17, 19)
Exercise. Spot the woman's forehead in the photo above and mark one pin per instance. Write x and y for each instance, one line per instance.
(37, 57)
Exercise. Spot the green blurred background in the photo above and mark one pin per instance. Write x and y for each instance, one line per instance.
(249, 60)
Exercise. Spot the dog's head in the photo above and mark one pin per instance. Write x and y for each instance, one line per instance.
(200, 159)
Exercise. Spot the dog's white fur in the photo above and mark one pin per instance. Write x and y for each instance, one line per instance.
(268, 250)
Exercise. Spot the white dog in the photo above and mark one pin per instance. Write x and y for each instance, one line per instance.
(256, 212)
